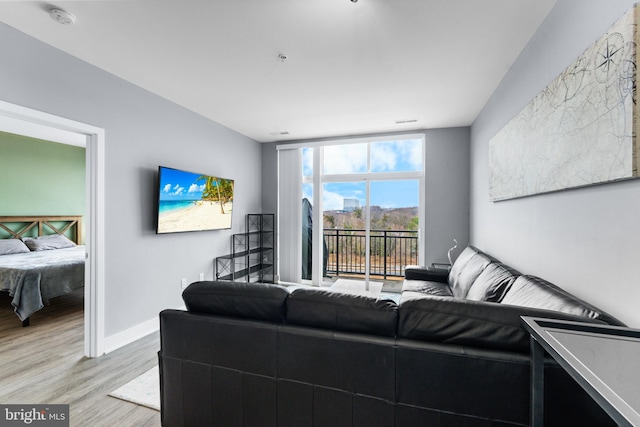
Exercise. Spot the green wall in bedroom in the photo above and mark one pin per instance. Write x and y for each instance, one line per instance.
(40, 177)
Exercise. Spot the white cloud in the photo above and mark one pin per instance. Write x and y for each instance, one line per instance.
(350, 158)
(177, 190)
(166, 188)
(413, 153)
(195, 188)
(332, 201)
(384, 156)
(307, 161)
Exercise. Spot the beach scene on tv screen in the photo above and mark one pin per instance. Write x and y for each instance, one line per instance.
(193, 202)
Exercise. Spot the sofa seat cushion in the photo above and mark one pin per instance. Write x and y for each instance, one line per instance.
(323, 308)
(247, 300)
(534, 292)
(427, 287)
(493, 283)
(466, 269)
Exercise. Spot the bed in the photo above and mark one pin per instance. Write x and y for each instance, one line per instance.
(51, 266)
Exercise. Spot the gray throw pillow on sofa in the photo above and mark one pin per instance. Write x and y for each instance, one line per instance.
(12, 246)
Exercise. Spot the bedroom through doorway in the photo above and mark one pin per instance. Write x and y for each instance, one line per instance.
(43, 195)
(22, 121)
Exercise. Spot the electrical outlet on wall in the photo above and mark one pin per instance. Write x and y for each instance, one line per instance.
(201, 276)
(184, 283)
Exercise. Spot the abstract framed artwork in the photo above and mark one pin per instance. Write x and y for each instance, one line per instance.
(580, 130)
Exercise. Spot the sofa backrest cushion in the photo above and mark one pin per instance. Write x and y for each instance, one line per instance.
(534, 292)
(466, 269)
(338, 311)
(246, 300)
(493, 283)
(478, 324)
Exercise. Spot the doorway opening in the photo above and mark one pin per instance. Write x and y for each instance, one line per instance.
(37, 124)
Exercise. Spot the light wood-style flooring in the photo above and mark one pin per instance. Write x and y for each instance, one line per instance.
(44, 364)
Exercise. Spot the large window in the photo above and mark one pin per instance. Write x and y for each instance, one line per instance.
(364, 198)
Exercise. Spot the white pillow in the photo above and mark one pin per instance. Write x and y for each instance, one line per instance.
(12, 246)
(45, 243)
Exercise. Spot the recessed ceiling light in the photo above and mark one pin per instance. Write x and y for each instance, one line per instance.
(62, 16)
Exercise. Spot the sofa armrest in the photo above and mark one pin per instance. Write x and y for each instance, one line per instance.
(414, 272)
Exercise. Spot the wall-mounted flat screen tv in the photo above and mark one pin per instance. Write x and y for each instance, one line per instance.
(189, 201)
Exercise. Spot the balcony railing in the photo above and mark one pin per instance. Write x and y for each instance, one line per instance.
(391, 251)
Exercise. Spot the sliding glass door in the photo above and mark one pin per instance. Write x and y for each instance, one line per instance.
(394, 224)
(370, 228)
(345, 229)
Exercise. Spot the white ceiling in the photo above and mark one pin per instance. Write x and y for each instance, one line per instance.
(351, 68)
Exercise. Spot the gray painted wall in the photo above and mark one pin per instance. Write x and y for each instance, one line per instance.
(143, 270)
(584, 240)
(446, 188)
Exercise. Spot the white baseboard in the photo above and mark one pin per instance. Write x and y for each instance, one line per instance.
(132, 334)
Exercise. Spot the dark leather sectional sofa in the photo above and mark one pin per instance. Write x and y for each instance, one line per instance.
(452, 352)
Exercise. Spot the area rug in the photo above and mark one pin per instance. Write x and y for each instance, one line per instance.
(143, 390)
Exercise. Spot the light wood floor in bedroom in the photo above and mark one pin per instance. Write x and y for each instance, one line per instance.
(44, 363)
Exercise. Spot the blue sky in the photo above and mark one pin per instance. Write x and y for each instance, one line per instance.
(388, 156)
(386, 194)
(180, 185)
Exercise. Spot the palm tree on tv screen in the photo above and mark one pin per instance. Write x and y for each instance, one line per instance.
(216, 189)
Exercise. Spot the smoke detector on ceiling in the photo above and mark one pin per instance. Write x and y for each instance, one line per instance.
(62, 16)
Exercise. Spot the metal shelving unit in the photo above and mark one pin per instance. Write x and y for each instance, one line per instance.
(252, 252)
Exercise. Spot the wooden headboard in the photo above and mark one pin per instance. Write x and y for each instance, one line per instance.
(25, 226)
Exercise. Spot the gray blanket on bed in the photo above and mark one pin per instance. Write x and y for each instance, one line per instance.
(34, 278)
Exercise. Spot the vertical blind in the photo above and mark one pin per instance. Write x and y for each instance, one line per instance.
(289, 214)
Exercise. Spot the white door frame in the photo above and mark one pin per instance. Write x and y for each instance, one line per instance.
(28, 122)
